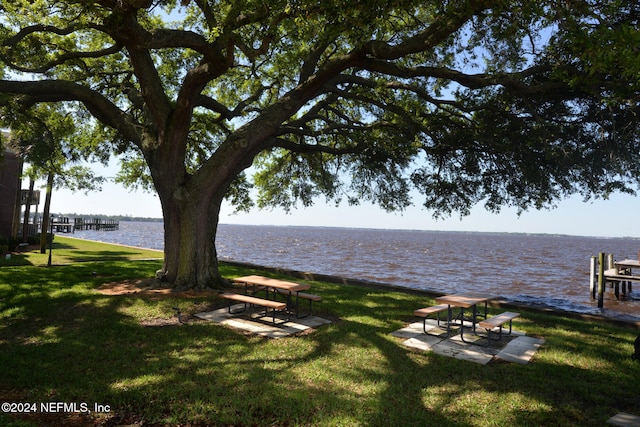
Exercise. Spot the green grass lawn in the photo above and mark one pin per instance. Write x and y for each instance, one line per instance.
(61, 341)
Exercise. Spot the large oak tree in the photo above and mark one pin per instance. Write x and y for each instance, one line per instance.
(516, 103)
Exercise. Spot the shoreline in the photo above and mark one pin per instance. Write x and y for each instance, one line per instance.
(305, 275)
(502, 303)
(114, 244)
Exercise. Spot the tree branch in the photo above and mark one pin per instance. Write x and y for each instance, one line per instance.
(442, 28)
(24, 32)
(318, 148)
(514, 80)
(61, 90)
(14, 41)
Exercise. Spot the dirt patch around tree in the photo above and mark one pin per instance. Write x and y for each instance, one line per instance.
(153, 289)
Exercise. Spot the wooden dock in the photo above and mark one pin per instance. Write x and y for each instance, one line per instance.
(96, 224)
(604, 270)
(66, 225)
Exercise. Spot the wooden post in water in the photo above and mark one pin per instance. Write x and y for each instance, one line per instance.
(592, 282)
(616, 284)
(600, 279)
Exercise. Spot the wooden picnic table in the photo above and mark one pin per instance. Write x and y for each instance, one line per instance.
(267, 282)
(276, 286)
(463, 302)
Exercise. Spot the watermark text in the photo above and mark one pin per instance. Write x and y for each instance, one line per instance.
(53, 407)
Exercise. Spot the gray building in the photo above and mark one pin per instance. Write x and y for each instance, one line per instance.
(10, 194)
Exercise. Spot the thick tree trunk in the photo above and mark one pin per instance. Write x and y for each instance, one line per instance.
(27, 212)
(191, 205)
(190, 258)
(45, 215)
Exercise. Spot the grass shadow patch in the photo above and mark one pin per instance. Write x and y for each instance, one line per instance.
(65, 342)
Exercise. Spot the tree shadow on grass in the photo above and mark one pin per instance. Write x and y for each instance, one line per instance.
(81, 256)
(74, 346)
(17, 259)
(425, 387)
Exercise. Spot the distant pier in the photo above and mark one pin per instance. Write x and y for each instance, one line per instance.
(68, 225)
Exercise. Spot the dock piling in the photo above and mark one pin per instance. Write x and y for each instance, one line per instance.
(600, 279)
(593, 277)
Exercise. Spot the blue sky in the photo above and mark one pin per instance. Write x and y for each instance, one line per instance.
(616, 217)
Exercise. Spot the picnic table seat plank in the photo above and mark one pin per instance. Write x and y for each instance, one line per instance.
(271, 283)
(428, 311)
(498, 321)
(254, 301)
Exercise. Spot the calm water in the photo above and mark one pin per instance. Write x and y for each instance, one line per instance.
(545, 270)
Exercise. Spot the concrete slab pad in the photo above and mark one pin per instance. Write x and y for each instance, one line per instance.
(469, 353)
(624, 419)
(453, 347)
(245, 325)
(423, 342)
(520, 350)
(417, 329)
(516, 347)
(470, 338)
(262, 326)
(310, 321)
(214, 316)
(408, 331)
(475, 357)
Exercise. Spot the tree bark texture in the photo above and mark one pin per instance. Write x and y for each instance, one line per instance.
(190, 260)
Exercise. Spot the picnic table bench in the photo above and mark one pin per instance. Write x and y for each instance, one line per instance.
(252, 302)
(428, 311)
(498, 321)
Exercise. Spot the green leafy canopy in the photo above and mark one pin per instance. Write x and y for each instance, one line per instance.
(508, 103)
